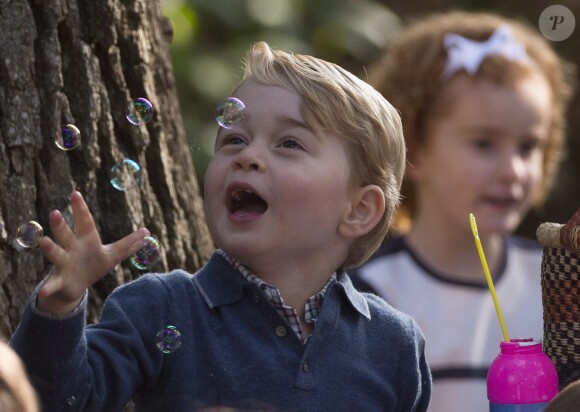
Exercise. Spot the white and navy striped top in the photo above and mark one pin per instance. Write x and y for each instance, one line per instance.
(458, 319)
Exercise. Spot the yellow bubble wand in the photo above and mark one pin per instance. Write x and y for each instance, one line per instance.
(488, 277)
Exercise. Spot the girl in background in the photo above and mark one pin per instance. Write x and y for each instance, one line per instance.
(482, 100)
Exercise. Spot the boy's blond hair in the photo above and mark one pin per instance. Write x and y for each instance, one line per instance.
(409, 76)
(336, 101)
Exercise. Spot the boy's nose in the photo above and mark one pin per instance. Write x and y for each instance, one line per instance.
(249, 159)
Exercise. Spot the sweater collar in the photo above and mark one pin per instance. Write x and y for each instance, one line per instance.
(353, 296)
(221, 284)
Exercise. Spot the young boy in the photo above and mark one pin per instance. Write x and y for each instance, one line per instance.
(301, 189)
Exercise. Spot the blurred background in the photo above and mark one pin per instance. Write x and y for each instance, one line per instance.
(211, 36)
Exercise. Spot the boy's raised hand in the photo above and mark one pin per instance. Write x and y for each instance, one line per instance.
(79, 259)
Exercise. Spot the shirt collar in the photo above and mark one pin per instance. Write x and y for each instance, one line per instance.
(252, 278)
(220, 284)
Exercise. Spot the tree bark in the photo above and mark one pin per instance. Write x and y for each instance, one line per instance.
(81, 62)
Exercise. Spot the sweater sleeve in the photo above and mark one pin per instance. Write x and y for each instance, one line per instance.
(417, 393)
(402, 347)
(425, 381)
(415, 382)
(98, 367)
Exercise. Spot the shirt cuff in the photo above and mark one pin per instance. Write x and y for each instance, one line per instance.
(33, 306)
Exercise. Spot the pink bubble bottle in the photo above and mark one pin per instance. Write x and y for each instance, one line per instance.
(521, 378)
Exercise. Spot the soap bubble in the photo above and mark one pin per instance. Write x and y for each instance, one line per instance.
(168, 340)
(229, 111)
(125, 175)
(139, 111)
(148, 255)
(68, 137)
(29, 234)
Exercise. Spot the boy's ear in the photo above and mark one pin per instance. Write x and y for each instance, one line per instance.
(365, 212)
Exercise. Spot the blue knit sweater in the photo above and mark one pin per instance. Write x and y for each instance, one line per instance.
(236, 351)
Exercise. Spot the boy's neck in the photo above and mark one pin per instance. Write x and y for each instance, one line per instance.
(296, 281)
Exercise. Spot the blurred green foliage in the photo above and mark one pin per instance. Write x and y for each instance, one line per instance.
(210, 38)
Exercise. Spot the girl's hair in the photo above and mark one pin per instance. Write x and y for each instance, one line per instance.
(16, 392)
(410, 77)
(336, 101)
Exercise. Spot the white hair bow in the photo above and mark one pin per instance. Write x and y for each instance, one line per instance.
(468, 54)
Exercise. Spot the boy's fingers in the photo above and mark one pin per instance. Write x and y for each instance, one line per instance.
(83, 220)
(53, 252)
(62, 232)
(125, 247)
(53, 284)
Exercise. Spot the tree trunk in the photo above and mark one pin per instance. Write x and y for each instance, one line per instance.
(81, 62)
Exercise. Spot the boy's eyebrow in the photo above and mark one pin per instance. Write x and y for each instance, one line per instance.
(290, 121)
(294, 122)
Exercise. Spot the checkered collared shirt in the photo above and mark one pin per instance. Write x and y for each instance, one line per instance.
(311, 310)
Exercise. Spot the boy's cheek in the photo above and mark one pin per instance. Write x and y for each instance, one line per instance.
(209, 180)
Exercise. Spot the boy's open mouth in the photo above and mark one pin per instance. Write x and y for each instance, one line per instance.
(244, 201)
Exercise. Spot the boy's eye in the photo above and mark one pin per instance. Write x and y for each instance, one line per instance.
(291, 143)
(232, 139)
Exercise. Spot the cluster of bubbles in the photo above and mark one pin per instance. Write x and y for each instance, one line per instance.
(168, 339)
(229, 112)
(124, 175)
(139, 111)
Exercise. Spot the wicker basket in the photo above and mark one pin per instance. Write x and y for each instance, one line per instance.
(560, 296)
